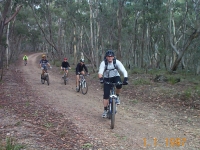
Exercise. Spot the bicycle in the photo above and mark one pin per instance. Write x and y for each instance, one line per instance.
(25, 62)
(45, 77)
(82, 84)
(112, 107)
(65, 76)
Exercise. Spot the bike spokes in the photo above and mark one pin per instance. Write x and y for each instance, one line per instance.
(84, 87)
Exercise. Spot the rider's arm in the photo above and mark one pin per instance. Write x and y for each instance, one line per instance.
(77, 68)
(84, 66)
(101, 69)
(61, 65)
(121, 68)
(68, 64)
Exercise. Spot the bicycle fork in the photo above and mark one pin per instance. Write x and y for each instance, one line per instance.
(113, 97)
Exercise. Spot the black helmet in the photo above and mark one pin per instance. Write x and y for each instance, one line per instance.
(82, 60)
(110, 53)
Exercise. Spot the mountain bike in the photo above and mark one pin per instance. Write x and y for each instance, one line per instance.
(112, 107)
(45, 77)
(25, 62)
(82, 84)
(65, 76)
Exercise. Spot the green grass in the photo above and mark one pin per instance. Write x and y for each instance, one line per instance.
(87, 145)
(11, 145)
(141, 81)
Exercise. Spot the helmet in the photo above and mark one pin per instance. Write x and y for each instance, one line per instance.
(43, 56)
(82, 60)
(110, 53)
(65, 58)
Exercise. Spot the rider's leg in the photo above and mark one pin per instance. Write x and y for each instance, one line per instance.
(66, 72)
(82, 72)
(118, 89)
(105, 99)
(77, 81)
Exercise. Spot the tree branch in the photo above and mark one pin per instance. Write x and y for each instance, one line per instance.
(14, 15)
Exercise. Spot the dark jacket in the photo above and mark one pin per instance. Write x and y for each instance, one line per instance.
(65, 64)
(80, 68)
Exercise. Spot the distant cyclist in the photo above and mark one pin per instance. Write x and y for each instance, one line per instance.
(109, 73)
(65, 66)
(25, 58)
(43, 64)
(79, 70)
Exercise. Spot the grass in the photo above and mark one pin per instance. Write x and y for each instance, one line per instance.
(48, 125)
(141, 81)
(11, 145)
(87, 145)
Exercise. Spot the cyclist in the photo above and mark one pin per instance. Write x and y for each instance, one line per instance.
(110, 73)
(25, 58)
(43, 64)
(79, 70)
(65, 66)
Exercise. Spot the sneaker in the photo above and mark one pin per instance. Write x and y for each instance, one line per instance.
(104, 115)
(118, 101)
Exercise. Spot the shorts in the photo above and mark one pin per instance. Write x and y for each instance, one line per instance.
(107, 86)
(66, 68)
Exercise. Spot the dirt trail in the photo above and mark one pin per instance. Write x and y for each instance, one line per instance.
(138, 127)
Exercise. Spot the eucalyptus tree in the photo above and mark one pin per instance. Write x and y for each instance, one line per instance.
(184, 27)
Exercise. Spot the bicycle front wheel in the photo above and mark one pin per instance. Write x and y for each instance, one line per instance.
(47, 79)
(84, 87)
(65, 80)
(113, 110)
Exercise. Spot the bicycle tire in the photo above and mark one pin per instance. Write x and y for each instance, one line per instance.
(113, 111)
(65, 82)
(47, 79)
(79, 86)
(84, 87)
(109, 113)
(42, 81)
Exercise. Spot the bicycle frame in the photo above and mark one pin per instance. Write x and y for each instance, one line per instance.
(45, 76)
(82, 84)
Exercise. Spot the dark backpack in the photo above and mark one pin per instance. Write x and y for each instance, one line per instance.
(106, 63)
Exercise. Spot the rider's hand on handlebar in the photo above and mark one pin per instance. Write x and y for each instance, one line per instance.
(101, 80)
(50, 67)
(125, 82)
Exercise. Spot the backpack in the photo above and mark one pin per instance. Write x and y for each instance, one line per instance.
(106, 63)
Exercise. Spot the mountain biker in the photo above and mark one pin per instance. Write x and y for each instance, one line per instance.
(25, 58)
(43, 64)
(79, 70)
(65, 66)
(110, 74)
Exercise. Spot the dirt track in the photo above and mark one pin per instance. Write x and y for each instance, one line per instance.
(138, 127)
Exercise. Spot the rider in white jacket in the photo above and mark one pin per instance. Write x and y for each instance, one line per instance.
(108, 72)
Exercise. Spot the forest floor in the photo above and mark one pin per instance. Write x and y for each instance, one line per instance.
(151, 115)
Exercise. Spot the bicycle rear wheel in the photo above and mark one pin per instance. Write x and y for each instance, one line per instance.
(84, 87)
(113, 110)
